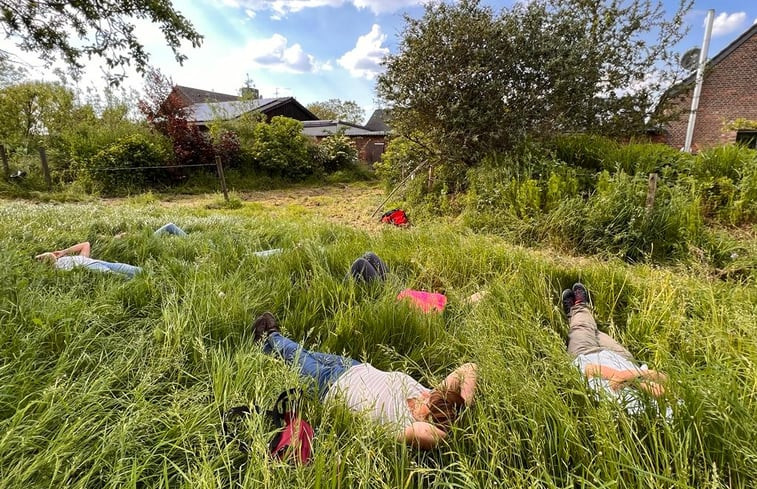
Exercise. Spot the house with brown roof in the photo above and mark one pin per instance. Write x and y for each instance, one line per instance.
(204, 106)
(727, 110)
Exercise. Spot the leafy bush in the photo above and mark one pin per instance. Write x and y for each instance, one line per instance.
(598, 153)
(89, 134)
(615, 219)
(584, 150)
(726, 178)
(116, 169)
(400, 158)
(280, 148)
(645, 158)
(337, 152)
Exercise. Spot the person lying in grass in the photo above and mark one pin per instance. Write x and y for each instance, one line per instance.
(608, 366)
(168, 228)
(418, 415)
(78, 256)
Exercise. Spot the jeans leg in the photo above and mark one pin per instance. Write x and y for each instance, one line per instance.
(122, 268)
(170, 228)
(362, 270)
(583, 335)
(377, 263)
(323, 368)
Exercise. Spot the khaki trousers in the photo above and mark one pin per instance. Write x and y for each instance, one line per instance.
(584, 337)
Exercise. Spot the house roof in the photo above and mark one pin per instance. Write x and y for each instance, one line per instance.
(675, 89)
(377, 122)
(324, 128)
(196, 95)
(204, 112)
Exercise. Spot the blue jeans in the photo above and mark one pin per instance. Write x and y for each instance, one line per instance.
(122, 268)
(169, 228)
(323, 368)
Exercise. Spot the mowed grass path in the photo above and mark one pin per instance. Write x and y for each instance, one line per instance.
(113, 383)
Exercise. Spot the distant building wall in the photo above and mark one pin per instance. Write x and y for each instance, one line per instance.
(369, 148)
(729, 92)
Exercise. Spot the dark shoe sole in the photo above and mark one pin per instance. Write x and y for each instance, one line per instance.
(581, 294)
(568, 300)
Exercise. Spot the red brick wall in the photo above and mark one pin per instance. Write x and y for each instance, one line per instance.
(729, 92)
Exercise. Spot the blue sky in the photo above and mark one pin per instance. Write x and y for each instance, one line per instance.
(320, 49)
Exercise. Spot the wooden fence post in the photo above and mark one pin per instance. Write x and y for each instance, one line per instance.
(45, 168)
(219, 167)
(652, 191)
(4, 156)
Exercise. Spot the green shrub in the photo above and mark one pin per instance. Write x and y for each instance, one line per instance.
(615, 219)
(400, 158)
(89, 134)
(116, 169)
(584, 150)
(726, 178)
(279, 148)
(337, 152)
(723, 161)
(645, 158)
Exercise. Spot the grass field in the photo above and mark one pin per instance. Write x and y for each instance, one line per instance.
(112, 383)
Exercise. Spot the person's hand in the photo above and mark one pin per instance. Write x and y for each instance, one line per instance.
(59, 253)
(653, 388)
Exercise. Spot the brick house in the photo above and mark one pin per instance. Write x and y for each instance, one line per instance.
(370, 143)
(729, 93)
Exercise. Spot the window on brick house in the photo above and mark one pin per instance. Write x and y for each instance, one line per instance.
(747, 138)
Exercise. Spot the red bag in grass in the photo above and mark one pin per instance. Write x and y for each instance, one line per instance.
(398, 217)
(426, 301)
(293, 441)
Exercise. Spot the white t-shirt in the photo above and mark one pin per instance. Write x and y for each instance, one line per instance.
(628, 397)
(69, 262)
(382, 395)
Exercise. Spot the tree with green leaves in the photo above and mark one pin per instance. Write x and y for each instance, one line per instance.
(77, 29)
(473, 81)
(33, 111)
(338, 110)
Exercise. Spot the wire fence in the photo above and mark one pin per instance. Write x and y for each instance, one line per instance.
(46, 170)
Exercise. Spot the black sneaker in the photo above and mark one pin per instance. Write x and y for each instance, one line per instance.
(264, 325)
(568, 300)
(581, 294)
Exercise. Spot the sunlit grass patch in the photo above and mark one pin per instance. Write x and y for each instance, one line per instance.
(106, 382)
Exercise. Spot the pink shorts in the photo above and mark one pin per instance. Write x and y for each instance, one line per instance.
(426, 301)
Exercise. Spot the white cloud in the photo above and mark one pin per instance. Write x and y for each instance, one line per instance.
(275, 54)
(250, 13)
(385, 6)
(364, 60)
(726, 23)
(283, 7)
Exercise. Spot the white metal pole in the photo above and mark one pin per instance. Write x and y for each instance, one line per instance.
(700, 79)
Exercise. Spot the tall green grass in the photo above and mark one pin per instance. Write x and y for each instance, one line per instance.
(113, 383)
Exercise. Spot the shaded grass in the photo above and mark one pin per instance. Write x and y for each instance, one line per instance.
(113, 383)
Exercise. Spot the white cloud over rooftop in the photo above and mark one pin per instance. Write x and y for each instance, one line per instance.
(364, 60)
(726, 23)
(276, 54)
